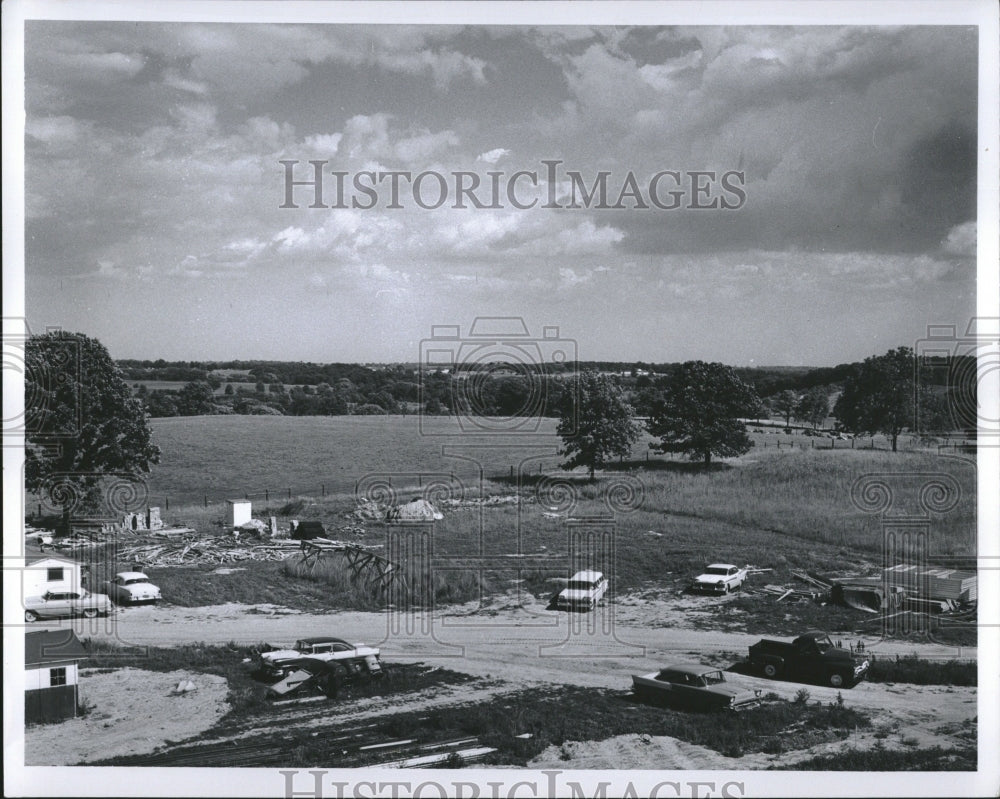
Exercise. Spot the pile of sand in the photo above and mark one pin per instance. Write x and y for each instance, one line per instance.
(131, 711)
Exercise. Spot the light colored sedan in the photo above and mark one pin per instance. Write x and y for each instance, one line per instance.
(584, 590)
(64, 604)
(131, 588)
(720, 578)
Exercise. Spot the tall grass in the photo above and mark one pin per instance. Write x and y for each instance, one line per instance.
(345, 589)
(911, 669)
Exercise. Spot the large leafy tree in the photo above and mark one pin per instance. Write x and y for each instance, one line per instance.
(813, 407)
(879, 395)
(785, 404)
(699, 412)
(83, 423)
(596, 422)
(196, 399)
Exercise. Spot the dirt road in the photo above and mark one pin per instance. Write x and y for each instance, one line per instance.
(530, 646)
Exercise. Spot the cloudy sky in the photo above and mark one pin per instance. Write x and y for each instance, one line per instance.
(154, 186)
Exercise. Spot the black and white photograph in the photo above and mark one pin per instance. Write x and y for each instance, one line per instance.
(501, 399)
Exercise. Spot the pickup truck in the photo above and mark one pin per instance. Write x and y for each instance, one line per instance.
(810, 657)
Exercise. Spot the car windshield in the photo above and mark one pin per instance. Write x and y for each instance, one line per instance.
(134, 580)
(823, 643)
(580, 585)
(716, 570)
(713, 678)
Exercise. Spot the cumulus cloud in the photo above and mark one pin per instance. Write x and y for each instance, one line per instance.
(492, 156)
(157, 149)
(961, 240)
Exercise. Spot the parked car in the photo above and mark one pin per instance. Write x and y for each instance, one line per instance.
(131, 588)
(810, 657)
(65, 604)
(584, 590)
(38, 537)
(720, 578)
(352, 659)
(692, 686)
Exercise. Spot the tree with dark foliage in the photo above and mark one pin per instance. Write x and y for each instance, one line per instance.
(699, 411)
(785, 403)
(813, 407)
(879, 395)
(85, 425)
(595, 422)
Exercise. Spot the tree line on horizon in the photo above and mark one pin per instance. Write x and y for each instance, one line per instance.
(83, 424)
(495, 389)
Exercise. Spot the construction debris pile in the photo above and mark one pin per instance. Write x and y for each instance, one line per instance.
(901, 587)
(199, 551)
(254, 540)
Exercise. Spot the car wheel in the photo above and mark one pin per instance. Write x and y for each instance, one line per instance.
(837, 680)
(30, 616)
(725, 588)
(90, 613)
(771, 670)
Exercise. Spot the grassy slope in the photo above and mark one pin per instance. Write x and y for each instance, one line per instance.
(787, 509)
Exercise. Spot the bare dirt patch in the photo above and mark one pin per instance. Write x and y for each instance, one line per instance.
(131, 711)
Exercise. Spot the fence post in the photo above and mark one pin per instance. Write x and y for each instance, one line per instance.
(512, 471)
(852, 443)
(420, 481)
(166, 501)
(289, 493)
(323, 489)
(206, 500)
(267, 495)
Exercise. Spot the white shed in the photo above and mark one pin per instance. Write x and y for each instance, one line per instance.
(51, 675)
(51, 574)
(238, 512)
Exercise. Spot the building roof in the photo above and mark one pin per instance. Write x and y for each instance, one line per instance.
(44, 558)
(51, 646)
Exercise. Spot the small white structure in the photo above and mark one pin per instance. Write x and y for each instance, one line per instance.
(51, 675)
(51, 574)
(238, 512)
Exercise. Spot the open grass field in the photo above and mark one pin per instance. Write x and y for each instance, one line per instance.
(798, 497)
(784, 510)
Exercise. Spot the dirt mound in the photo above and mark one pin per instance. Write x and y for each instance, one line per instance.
(130, 711)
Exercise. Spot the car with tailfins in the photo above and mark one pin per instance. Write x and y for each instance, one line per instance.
(694, 687)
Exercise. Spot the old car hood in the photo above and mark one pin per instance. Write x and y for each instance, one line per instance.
(709, 578)
(575, 593)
